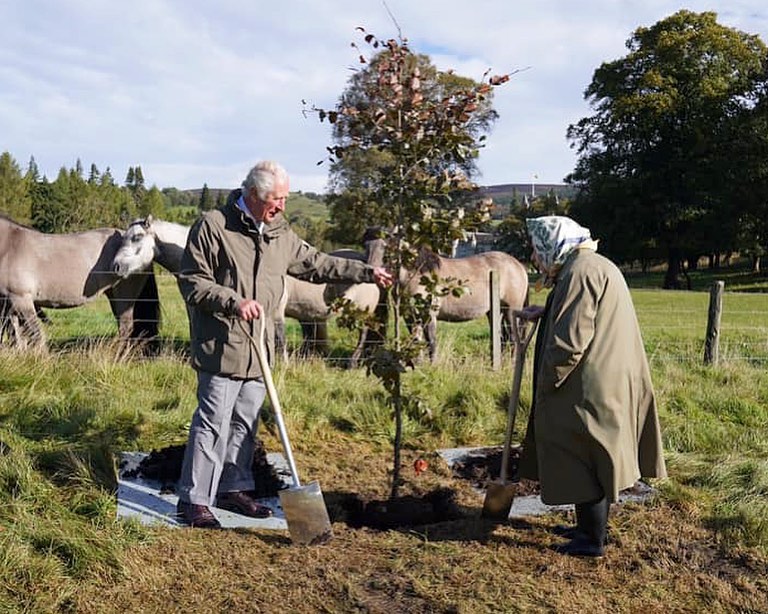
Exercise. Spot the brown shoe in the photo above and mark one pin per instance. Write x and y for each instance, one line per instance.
(242, 502)
(198, 516)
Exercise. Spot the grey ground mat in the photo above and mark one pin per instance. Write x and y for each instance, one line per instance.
(532, 505)
(151, 502)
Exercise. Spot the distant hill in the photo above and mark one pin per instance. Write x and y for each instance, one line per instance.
(312, 206)
(508, 191)
(501, 190)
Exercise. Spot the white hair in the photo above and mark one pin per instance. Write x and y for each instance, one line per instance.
(263, 177)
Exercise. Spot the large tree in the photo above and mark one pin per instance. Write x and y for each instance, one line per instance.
(356, 177)
(748, 181)
(655, 156)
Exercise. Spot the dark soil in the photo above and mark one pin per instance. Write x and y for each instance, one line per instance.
(484, 465)
(479, 467)
(435, 506)
(165, 466)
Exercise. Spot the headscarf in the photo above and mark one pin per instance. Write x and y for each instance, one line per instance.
(554, 237)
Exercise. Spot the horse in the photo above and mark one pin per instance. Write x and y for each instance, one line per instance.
(311, 304)
(151, 239)
(473, 274)
(59, 271)
(147, 240)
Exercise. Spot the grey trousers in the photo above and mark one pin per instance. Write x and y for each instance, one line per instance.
(219, 453)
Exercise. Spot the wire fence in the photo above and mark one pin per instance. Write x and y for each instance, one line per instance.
(673, 324)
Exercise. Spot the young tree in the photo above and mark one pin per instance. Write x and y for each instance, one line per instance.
(419, 147)
(653, 156)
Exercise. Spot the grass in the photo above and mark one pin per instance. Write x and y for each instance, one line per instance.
(701, 545)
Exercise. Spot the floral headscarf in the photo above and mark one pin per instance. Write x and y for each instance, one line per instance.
(554, 237)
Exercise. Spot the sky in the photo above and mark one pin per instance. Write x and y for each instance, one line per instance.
(196, 92)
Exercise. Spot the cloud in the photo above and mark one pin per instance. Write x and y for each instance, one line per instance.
(196, 92)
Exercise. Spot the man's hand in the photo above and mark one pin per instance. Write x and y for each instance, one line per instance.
(249, 309)
(382, 277)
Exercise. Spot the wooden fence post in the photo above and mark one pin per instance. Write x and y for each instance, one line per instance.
(712, 342)
(493, 288)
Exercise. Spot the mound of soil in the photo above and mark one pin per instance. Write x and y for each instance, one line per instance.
(164, 466)
(484, 466)
(401, 512)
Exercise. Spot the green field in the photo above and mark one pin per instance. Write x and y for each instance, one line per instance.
(64, 415)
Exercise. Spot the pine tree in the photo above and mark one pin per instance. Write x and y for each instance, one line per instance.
(206, 200)
(130, 178)
(93, 176)
(33, 172)
(15, 200)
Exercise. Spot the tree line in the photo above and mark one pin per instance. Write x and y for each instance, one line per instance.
(672, 165)
(76, 200)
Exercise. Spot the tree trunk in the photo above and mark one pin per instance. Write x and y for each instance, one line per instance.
(674, 269)
(397, 400)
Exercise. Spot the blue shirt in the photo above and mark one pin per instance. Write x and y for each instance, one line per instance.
(247, 211)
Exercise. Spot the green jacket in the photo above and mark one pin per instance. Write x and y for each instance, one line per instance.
(594, 427)
(226, 260)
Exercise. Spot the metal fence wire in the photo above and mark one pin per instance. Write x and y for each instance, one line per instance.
(673, 330)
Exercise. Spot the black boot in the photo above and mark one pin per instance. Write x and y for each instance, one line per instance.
(591, 529)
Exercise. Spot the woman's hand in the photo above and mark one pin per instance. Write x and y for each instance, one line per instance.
(531, 312)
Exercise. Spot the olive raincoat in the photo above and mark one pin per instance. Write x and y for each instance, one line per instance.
(594, 428)
(226, 260)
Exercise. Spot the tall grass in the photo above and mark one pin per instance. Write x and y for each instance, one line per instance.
(64, 415)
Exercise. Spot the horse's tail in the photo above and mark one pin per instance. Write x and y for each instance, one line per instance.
(146, 311)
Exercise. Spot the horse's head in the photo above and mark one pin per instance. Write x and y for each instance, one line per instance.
(138, 248)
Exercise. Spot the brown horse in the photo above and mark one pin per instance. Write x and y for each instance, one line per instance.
(473, 274)
(59, 271)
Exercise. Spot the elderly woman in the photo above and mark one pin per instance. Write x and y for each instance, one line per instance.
(594, 429)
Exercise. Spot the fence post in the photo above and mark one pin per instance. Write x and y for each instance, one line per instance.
(712, 342)
(493, 288)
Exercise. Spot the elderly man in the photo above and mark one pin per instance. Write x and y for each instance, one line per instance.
(233, 272)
